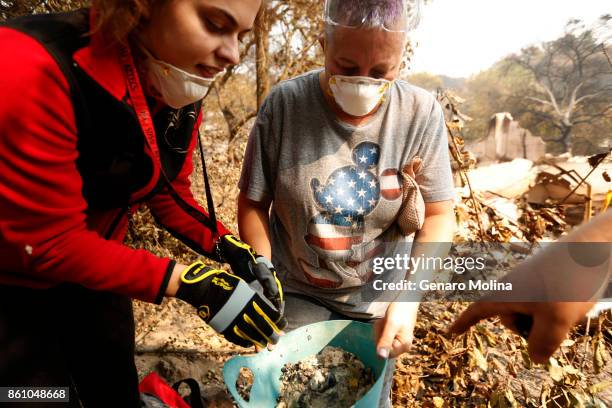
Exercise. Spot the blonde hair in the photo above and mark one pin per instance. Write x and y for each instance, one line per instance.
(116, 19)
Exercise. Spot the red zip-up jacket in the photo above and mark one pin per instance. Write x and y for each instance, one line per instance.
(47, 234)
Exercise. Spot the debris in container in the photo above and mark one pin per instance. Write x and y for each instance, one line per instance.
(333, 378)
(244, 383)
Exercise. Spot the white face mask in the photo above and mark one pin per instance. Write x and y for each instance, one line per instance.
(358, 95)
(177, 88)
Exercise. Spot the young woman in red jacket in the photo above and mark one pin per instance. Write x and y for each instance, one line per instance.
(99, 114)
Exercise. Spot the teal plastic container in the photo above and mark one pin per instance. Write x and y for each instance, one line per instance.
(355, 337)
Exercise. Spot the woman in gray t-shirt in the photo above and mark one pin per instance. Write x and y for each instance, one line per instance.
(327, 153)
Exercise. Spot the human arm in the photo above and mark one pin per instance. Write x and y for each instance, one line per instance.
(394, 332)
(175, 209)
(551, 321)
(43, 222)
(434, 178)
(221, 299)
(254, 224)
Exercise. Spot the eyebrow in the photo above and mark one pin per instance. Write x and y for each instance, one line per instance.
(346, 61)
(382, 66)
(232, 21)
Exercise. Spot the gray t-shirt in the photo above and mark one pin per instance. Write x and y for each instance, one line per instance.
(336, 188)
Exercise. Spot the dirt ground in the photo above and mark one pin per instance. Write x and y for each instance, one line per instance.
(487, 367)
(172, 341)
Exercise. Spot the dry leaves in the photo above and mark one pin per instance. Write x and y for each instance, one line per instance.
(490, 367)
(487, 367)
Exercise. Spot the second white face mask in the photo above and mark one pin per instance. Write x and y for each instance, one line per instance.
(178, 88)
(357, 95)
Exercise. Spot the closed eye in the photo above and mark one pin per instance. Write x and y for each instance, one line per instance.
(213, 26)
(349, 70)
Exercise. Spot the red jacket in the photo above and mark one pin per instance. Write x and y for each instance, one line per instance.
(48, 233)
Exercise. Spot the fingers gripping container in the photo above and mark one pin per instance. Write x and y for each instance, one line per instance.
(352, 336)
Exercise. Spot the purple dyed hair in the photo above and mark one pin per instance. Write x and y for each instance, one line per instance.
(368, 13)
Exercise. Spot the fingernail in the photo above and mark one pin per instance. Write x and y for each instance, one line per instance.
(383, 352)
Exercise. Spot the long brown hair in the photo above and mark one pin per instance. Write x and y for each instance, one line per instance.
(116, 19)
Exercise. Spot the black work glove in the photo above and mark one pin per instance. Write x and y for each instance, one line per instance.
(251, 267)
(230, 306)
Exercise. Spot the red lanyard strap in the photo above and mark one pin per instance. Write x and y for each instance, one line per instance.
(138, 100)
(146, 123)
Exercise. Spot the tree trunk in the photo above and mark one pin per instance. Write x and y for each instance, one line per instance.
(262, 33)
(566, 133)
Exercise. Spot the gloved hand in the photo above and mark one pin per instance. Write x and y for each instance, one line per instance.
(230, 306)
(251, 267)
